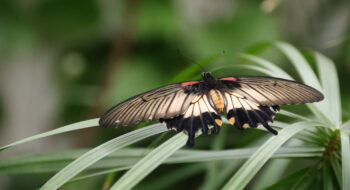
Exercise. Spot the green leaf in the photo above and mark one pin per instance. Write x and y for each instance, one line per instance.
(275, 70)
(54, 161)
(346, 127)
(301, 65)
(295, 180)
(67, 128)
(307, 75)
(293, 115)
(327, 176)
(330, 84)
(147, 164)
(95, 174)
(336, 165)
(100, 152)
(172, 177)
(259, 69)
(189, 156)
(345, 150)
(263, 154)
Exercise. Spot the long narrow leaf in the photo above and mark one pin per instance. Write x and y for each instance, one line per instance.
(64, 129)
(300, 64)
(54, 161)
(345, 149)
(278, 72)
(100, 152)
(263, 154)
(307, 75)
(330, 84)
(146, 165)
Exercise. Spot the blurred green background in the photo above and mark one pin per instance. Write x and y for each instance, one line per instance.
(65, 61)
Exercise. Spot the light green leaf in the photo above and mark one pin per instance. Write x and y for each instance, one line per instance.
(346, 127)
(100, 152)
(293, 115)
(182, 156)
(146, 165)
(259, 69)
(301, 65)
(263, 154)
(277, 71)
(345, 150)
(67, 128)
(54, 161)
(307, 75)
(95, 174)
(330, 84)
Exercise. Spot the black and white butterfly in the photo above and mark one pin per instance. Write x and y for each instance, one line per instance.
(246, 101)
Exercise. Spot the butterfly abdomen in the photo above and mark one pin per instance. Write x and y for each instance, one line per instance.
(217, 100)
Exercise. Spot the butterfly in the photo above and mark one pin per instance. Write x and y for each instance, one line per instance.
(246, 102)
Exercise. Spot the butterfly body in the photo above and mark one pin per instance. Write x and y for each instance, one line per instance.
(198, 105)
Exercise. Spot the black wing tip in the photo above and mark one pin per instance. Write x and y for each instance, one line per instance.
(320, 98)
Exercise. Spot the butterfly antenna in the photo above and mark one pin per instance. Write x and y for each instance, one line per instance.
(191, 61)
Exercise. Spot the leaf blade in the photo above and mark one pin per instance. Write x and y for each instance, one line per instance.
(67, 128)
(345, 151)
(150, 162)
(330, 85)
(261, 156)
(98, 153)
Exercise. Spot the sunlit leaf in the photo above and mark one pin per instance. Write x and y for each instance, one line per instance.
(275, 70)
(100, 152)
(152, 160)
(67, 128)
(330, 84)
(345, 149)
(307, 75)
(263, 154)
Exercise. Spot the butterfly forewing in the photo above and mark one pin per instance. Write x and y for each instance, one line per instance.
(272, 91)
(165, 102)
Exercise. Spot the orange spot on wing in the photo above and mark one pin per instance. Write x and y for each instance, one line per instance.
(189, 83)
(229, 78)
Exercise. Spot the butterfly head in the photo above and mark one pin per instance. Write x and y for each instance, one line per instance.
(207, 77)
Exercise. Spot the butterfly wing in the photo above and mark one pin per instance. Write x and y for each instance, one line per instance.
(251, 100)
(199, 115)
(165, 102)
(271, 91)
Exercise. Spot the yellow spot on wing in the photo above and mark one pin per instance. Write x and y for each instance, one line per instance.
(245, 126)
(218, 121)
(232, 120)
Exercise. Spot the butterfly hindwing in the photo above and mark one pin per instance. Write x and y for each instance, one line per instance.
(199, 116)
(243, 113)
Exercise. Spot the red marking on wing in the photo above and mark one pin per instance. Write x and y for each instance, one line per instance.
(189, 83)
(229, 78)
